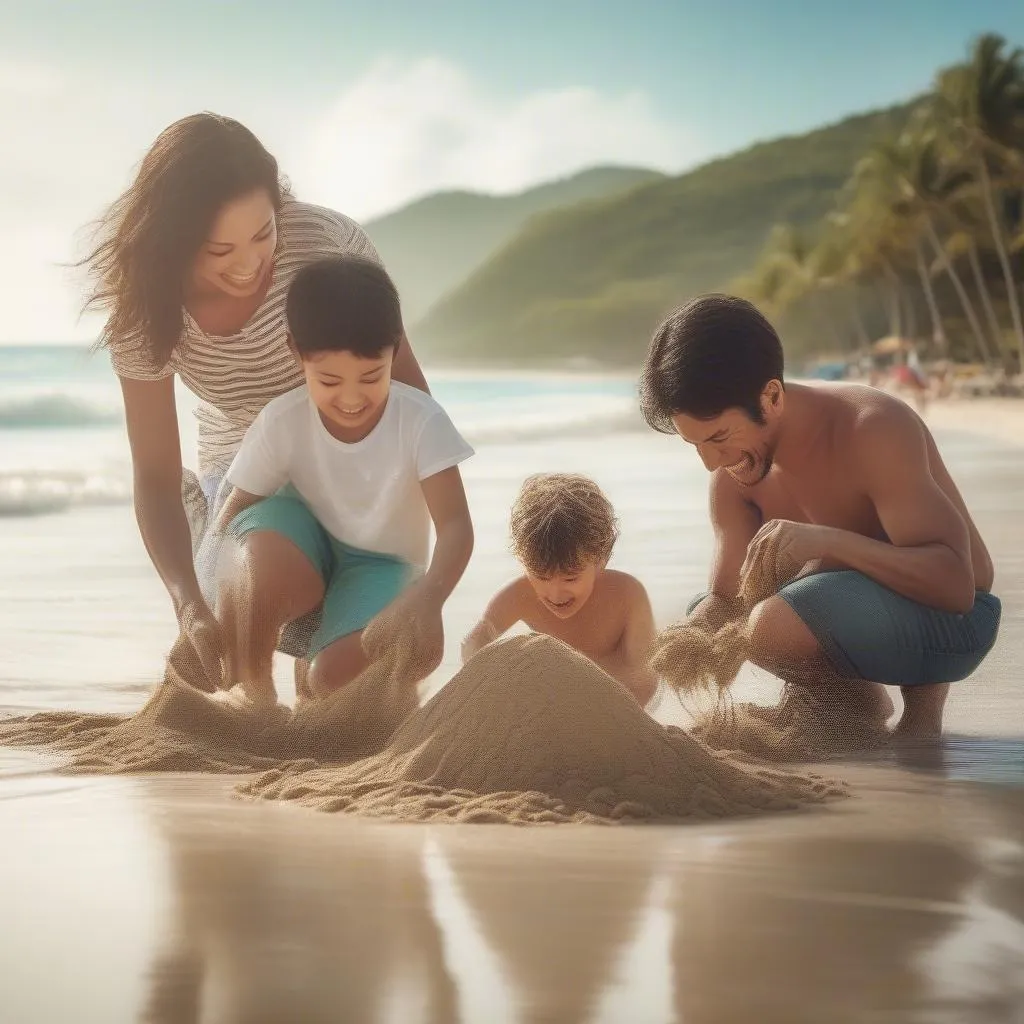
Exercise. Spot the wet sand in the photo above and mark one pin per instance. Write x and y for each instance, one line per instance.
(163, 899)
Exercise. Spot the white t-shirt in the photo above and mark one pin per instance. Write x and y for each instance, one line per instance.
(367, 493)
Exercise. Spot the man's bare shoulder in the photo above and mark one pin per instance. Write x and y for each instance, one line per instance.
(855, 405)
(868, 419)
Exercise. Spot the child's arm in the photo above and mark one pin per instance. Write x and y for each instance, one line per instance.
(446, 501)
(629, 664)
(417, 612)
(501, 614)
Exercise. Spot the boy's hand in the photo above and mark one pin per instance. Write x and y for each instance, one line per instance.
(413, 622)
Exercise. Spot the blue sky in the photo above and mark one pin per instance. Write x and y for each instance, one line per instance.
(370, 104)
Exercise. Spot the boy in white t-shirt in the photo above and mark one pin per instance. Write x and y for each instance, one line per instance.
(334, 489)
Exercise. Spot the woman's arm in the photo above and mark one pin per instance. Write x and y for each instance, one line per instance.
(152, 421)
(406, 367)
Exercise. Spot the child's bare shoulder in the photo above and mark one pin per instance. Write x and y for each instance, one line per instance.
(513, 594)
(623, 584)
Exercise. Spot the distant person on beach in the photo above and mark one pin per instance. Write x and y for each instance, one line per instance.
(192, 265)
(334, 489)
(563, 532)
(845, 484)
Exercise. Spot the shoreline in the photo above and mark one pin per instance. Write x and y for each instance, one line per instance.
(996, 419)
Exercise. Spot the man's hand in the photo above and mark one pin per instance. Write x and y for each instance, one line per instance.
(779, 550)
(197, 654)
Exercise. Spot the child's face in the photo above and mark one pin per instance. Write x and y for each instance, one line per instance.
(349, 391)
(565, 593)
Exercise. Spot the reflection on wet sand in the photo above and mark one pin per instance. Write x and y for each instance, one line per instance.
(850, 927)
(558, 911)
(278, 921)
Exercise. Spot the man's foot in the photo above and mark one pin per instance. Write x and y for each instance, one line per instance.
(921, 721)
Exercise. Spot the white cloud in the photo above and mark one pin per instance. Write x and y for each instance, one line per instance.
(73, 140)
(400, 131)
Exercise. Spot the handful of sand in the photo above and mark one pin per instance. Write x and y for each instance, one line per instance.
(815, 718)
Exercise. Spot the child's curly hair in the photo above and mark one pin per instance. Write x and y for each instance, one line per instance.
(560, 521)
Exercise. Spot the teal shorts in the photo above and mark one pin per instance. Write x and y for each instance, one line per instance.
(357, 584)
(870, 632)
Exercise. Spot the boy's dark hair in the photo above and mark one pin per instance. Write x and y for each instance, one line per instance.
(717, 352)
(344, 304)
(561, 520)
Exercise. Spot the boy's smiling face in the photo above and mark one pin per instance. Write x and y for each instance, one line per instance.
(349, 391)
(564, 593)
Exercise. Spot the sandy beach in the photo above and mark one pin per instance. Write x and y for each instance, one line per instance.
(166, 899)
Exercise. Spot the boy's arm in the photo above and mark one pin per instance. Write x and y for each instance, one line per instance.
(446, 501)
(629, 664)
(503, 611)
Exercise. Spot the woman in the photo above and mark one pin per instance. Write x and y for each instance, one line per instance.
(193, 265)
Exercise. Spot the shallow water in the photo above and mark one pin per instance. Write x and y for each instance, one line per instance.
(163, 899)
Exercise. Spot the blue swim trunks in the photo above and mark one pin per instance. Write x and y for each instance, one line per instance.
(357, 584)
(870, 632)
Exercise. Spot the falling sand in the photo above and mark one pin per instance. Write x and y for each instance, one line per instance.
(820, 715)
(528, 731)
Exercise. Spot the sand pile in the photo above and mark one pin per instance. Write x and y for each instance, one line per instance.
(531, 731)
(816, 718)
(181, 729)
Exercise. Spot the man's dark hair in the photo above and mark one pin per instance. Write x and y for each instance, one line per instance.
(344, 304)
(717, 352)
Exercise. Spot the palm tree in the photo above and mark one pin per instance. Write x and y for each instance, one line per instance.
(983, 103)
(908, 179)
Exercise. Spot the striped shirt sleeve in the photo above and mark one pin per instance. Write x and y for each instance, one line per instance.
(129, 359)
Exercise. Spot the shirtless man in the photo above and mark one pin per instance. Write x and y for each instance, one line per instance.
(843, 480)
(563, 532)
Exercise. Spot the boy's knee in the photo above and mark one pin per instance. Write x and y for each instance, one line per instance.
(336, 666)
(778, 636)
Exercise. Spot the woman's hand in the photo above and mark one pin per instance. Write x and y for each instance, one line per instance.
(198, 654)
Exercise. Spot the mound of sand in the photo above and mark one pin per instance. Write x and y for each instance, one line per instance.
(532, 731)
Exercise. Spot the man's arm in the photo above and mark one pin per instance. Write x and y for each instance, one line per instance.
(929, 557)
(734, 521)
(503, 611)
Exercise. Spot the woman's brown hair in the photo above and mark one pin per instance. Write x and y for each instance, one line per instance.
(148, 238)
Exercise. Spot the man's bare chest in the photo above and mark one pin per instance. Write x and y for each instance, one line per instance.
(823, 495)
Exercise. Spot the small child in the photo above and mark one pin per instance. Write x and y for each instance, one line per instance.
(334, 489)
(563, 532)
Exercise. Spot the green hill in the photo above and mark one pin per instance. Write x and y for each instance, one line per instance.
(433, 244)
(594, 280)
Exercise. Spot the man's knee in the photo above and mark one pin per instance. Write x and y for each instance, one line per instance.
(778, 636)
